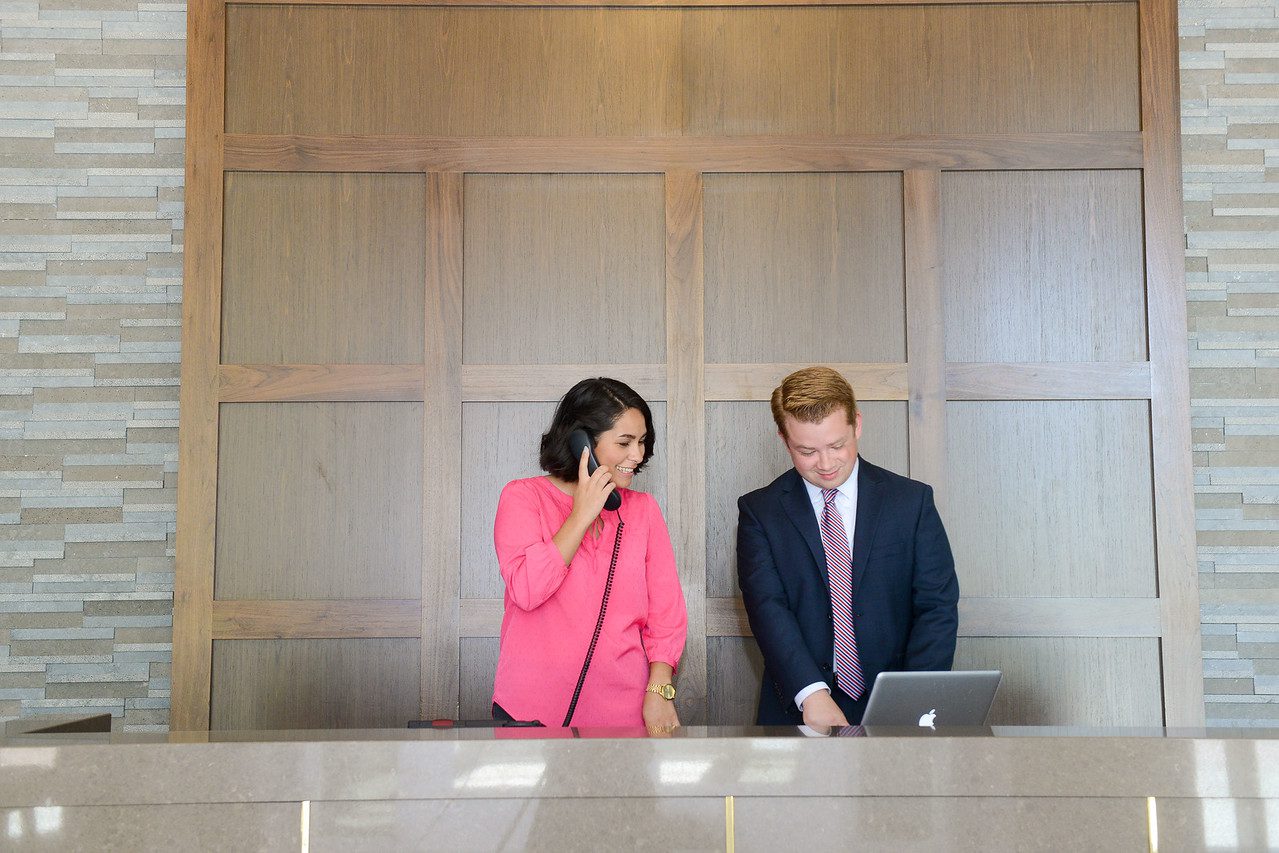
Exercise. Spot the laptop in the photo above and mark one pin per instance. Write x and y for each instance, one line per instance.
(932, 699)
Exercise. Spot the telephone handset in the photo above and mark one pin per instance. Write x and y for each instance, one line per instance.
(578, 439)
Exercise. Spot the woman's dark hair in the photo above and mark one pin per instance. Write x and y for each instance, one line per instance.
(593, 405)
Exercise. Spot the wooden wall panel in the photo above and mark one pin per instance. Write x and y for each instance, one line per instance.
(659, 72)
(1043, 266)
(440, 521)
(897, 70)
(1070, 681)
(734, 670)
(564, 269)
(804, 268)
(314, 684)
(500, 442)
(319, 500)
(198, 400)
(479, 665)
(648, 192)
(452, 72)
(323, 268)
(744, 453)
(1051, 498)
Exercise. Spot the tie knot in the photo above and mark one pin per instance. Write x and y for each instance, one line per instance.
(829, 495)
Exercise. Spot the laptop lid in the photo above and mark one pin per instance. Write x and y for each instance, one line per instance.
(932, 699)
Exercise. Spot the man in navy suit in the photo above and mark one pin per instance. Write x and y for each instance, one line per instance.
(845, 568)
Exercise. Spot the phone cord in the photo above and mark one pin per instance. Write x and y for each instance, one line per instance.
(599, 623)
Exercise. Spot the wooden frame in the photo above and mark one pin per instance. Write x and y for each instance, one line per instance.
(926, 381)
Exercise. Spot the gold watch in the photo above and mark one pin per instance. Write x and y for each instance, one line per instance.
(666, 691)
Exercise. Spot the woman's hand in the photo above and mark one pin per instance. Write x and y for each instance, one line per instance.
(591, 490)
(589, 494)
(659, 713)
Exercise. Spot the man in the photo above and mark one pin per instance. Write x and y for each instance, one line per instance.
(829, 617)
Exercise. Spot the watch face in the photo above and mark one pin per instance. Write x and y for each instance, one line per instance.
(668, 691)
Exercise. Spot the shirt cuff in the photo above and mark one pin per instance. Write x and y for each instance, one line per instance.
(809, 691)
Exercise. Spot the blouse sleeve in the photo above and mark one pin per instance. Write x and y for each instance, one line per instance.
(667, 625)
(531, 565)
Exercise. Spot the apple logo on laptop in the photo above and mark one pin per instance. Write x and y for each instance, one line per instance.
(927, 719)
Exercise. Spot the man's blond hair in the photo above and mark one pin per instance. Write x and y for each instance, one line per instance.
(809, 395)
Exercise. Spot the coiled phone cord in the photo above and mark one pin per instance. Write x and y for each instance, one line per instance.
(599, 623)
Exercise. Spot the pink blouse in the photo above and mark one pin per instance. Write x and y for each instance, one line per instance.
(551, 609)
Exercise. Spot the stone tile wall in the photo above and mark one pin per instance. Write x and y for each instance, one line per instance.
(1230, 118)
(91, 130)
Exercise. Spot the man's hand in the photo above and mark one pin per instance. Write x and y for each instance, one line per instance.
(821, 711)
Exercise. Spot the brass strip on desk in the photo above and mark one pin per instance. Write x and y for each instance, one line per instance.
(728, 824)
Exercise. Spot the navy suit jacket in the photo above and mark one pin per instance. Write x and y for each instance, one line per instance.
(905, 593)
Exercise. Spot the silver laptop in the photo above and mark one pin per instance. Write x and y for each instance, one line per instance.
(932, 699)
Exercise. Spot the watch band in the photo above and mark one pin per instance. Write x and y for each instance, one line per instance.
(666, 691)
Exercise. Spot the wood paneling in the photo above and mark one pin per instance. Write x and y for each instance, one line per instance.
(663, 3)
(548, 382)
(448, 72)
(660, 72)
(479, 665)
(279, 383)
(303, 153)
(975, 69)
(744, 452)
(441, 488)
(686, 411)
(314, 684)
(925, 331)
(564, 268)
(1068, 681)
(500, 443)
(756, 381)
(1170, 391)
(480, 617)
(735, 669)
(1043, 266)
(697, 201)
(1124, 380)
(480, 383)
(1051, 498)
(780, 76)
(319, 500)
(201, 321)
(274, 383)
(323, 268)
(804, 268)
(1059, 617)
(267, 620)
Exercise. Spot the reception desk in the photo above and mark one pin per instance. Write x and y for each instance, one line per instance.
(700, 789)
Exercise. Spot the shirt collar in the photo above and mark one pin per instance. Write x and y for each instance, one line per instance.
(848, 489)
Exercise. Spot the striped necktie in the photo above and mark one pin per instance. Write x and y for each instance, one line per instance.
(839, 567)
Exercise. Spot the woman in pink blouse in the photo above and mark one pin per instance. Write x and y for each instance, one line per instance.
(555, 543)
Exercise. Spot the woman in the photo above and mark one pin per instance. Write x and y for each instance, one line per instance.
(555, 544)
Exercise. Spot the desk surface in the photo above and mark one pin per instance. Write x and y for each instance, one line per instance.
(692, 761)
(1002, 788)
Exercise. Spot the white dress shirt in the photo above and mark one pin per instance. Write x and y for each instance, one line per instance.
(846, 503)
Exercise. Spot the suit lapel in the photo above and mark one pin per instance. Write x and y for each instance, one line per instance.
(800, 511)
(868, 506)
